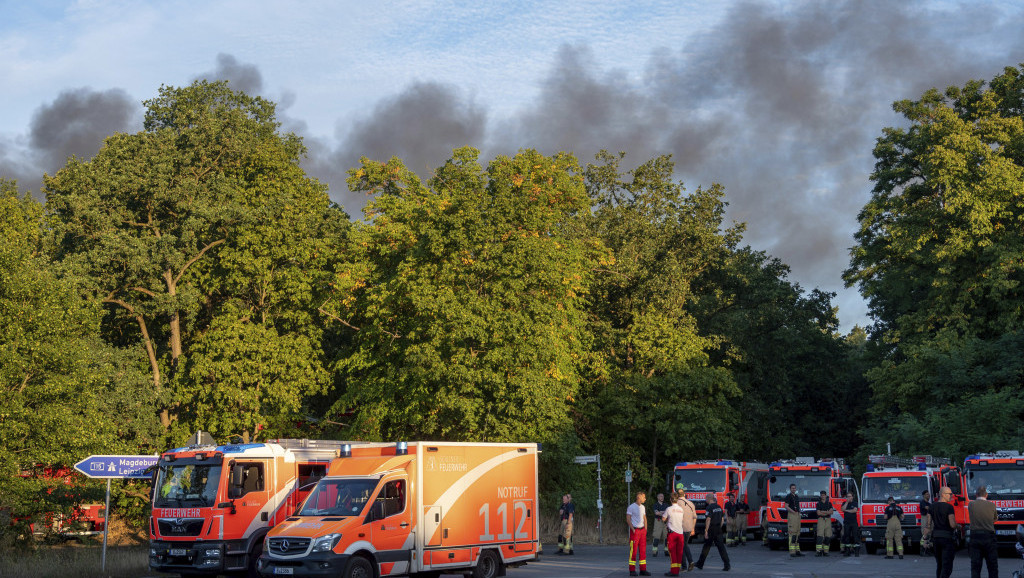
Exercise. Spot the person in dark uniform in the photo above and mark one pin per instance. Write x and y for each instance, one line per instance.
(851, 528)
(793, 521)
(893, 528)
(659, 534)
(730, 521)
(742, 510)
(567, 515)
(943, 539)
(823, 532)
(925, 509)
(713, 521)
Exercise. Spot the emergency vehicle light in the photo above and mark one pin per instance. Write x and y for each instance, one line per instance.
(828, 464)
(401, 448)
(724, 463)
(775, 464)
(870, 468)
(922, 466)
(345, 451)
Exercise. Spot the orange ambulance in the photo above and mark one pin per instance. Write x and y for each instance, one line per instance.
(422, 508)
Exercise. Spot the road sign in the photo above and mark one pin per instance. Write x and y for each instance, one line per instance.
(585, 459)
(117, 466)
(629, 476)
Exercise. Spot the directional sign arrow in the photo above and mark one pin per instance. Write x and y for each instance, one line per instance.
(117, 466)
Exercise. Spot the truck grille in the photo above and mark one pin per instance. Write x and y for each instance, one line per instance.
(173, 527)
(288, 546)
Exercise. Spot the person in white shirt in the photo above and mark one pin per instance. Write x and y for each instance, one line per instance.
(636, 517)
(676, 517)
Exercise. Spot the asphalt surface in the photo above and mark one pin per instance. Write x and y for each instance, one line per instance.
(592, 561)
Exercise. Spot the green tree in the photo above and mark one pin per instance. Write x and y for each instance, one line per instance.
(466, 300)
(938, 257)
(65, 393)
(655, 397)
(192, 230)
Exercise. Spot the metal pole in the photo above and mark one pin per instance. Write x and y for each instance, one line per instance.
(600, 510)
(106, 526)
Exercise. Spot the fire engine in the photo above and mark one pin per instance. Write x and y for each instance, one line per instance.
(86, 519)
(214, 504)
(905, 479)
(1002, 473)
(420, 508)
(722, 477)
(811, 476)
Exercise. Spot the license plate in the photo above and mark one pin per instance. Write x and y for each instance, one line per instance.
(283, 570)
(700, 516)
(805, 530)
(179, 552)
(1005, 532)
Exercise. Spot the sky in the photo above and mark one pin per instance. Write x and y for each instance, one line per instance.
(779, 102)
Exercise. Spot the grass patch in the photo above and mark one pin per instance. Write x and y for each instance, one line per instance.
(76, 561)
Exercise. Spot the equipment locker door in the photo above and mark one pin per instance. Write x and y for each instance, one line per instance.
(524, 524)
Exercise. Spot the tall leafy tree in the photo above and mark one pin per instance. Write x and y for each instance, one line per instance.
(938, 257)
(466, 299)
(192, 230)
(64, 393)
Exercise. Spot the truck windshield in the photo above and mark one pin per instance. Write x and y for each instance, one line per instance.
(1001, 482)
(702, 480)
(902, 487)
(808, 486)
(338, 497)
(187, 485)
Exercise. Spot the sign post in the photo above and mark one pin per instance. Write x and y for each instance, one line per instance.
(583, 460)
(110, 467)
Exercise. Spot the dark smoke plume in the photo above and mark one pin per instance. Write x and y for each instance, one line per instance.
(241, 77)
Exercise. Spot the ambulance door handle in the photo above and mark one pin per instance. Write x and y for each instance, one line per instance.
(404, 525)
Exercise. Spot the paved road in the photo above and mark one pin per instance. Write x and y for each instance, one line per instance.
(752, 560)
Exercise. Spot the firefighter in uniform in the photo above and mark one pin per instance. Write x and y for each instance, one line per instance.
(567, 513)
(730, 524)
(713, 522)
(893, 528)
(851, 528)
(742, 510)
(793, 521)
(659, 534)
(636, 517)
(925, 508)
(823, 533)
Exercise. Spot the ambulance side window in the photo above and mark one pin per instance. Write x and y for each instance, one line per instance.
(390, 501)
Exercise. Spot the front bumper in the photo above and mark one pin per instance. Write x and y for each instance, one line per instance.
(876, 534)
(315, 564)
(206, 557)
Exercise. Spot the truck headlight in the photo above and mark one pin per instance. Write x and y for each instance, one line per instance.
(326, 543)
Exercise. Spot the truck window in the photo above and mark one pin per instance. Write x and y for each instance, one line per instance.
(247, 477)
(310, 474)
(338, 497)
(184, 484)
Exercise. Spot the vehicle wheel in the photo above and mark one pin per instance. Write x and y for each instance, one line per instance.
(254, 558)
(488, 566)
(358, 567)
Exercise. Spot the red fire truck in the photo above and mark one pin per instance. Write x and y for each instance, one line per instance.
(905, 479)
(86, 519)
(746, 479)
(213, 505)
(1002, 473)
(811, 476)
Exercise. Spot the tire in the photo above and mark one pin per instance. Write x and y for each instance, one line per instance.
(358, 567)
(488, 566)
(254, 557)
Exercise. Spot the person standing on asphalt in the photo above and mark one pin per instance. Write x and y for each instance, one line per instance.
(714, 520)
(893, 528)
(982, 545)
(673, 518)
(793, 521)
(851, 528)
(730, 524)
(636, 517)
(925, 510)
(742, 511)
(689, 524)
(823, 532)
(567, 514)
(943, 526)
(659, 523)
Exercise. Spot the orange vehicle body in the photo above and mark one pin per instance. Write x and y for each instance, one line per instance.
(407, 508)
(722, 477)
(811, 477)
(904, 479)
(1002, 474)
(213, 505)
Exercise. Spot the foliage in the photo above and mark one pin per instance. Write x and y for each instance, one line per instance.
(939, 259)
(466, 298)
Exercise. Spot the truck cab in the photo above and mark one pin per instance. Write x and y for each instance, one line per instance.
(811, 476)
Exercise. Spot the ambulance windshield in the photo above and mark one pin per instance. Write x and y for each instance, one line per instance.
(808, 486)
(339, 497)
(192, 485)
(1002, 483)
(702, 480)
(902, 487)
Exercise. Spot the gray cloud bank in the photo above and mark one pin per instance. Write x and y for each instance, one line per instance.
(779, 103)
